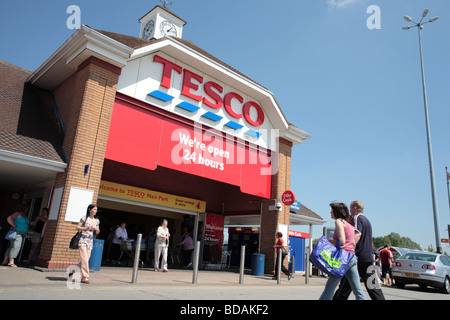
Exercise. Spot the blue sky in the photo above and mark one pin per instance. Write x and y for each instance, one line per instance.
(357, 91)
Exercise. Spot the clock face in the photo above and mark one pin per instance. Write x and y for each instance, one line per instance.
(168, 29)
(148, 29)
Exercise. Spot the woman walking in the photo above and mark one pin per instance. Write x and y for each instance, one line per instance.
(280, 245)
(87, 225)
(345, 233)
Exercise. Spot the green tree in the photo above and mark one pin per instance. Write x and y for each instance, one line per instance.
(395, 240)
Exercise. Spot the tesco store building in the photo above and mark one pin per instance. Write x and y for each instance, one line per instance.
(155, 128)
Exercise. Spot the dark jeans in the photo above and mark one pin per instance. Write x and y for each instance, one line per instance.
(115, 251)
(187, 254)
(385, 269)
(370, 281)
(283, 268)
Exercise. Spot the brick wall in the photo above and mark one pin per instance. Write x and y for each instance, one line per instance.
(85, 101)
(281, 182)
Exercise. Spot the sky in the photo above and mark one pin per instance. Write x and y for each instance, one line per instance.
(346, 74)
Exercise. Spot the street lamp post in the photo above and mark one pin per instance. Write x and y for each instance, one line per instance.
(419, 26)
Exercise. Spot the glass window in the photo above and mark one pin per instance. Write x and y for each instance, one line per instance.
(445, 260)
(419, 256)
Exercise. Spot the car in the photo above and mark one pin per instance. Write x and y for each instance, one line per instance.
(424, 269)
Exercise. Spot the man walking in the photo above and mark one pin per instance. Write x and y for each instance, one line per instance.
(364, 253)
(387, 260)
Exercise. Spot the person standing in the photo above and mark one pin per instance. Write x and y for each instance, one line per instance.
(87, 225)
(20, 222)
(188, 248)
(161, 246)
(280, 245)
(386, 259)
(345, 234)
(120, 234)
(364, 253)
(38, 234)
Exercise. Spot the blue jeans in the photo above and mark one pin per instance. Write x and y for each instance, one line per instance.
(353, 278)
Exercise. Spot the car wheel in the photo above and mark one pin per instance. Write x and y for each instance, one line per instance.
(399, 284)
(446, 287)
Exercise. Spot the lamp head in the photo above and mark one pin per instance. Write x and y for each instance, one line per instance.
(425, 12)
(407, 18)
(433, 19)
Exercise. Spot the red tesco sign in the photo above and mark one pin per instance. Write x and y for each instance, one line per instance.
(288, 198)
(212, 90)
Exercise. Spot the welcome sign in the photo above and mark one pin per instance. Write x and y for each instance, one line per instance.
(121, 191)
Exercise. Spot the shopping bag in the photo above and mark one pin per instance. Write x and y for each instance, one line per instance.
(75, 240)
(330, 259)
(11, 235)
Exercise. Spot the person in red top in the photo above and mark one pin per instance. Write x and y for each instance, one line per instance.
(280, 245)
(386, 260)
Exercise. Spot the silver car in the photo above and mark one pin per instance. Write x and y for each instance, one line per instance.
(424, 269)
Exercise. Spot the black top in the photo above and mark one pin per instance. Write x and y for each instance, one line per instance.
(364, 249)
(39, 226)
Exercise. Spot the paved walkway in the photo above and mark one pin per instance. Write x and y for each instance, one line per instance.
(115, 283)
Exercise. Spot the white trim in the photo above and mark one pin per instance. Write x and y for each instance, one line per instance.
(147, 205)
(85, 40)
(295, 135)
(32, 161)
(293, 218)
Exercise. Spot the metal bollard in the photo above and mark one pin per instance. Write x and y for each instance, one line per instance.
(196, 256)
(137, 253)
(307, 267)
(280, 255)
(293, 265)
(241, 273)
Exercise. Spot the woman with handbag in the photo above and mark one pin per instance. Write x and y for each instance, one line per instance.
(281, 246)
(87, 225)
(19, 222)
(344, 232)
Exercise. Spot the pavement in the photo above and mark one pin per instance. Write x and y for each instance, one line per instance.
(115, 283)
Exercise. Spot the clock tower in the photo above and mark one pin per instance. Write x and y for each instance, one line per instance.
(160, 23)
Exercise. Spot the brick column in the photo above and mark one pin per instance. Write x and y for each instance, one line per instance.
(281, 182)
(85, 101)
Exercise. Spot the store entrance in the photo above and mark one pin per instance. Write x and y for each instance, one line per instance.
(143, 220)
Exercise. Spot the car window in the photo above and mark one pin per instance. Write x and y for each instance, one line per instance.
(419, 257)
(445, 260)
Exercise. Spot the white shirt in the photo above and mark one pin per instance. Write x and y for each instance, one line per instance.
(120, 233)
(160, 241)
